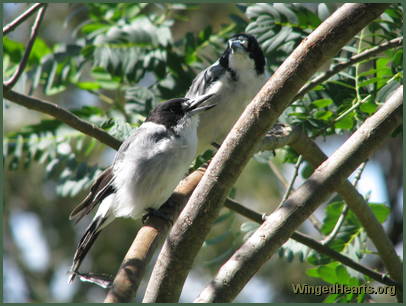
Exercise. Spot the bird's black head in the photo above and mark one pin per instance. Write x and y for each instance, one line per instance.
(168, 113)
(245, 43)
(171, 112)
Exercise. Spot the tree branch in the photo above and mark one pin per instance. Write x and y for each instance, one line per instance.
(315, 245)
(331, 236)
(63, 115)
(280, 225)
(20, 19)
(132, 269)
(193, 224)
(34, 31)
(312, 153)
(293, 179)
(396, 42)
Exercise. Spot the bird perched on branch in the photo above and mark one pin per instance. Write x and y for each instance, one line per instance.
(146, 169)
(235, 78)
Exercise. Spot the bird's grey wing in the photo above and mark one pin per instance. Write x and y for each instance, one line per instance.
(101, 188)
(205, 79)
(135, 138)
(126, 143)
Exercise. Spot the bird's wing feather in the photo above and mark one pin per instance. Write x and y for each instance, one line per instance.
(100, 189)
(204, 80)
(85, 243)
(103, 186)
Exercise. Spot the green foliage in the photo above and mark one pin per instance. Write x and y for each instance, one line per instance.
(336, 274)
(280, 28)
(126, 55)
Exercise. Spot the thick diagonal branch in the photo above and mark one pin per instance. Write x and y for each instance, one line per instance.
(281, 224)
(315, 245)
(312, 153)
(193, 224)
(132, 269)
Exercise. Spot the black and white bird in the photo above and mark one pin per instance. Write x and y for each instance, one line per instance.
(146, 169)
(235, 78)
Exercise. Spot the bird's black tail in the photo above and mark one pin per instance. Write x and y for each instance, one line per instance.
(85, 244)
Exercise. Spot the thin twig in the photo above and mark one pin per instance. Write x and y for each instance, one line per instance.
(313, 220)
(337, 227)
(292, 181)
(278, 173)
(359, 173)
(63, 115)
(343, 214)
(358, 65)
(34, 31)
(20, 19)
(396, 42)
(313, 244)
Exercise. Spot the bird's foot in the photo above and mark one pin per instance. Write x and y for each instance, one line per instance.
(156, 213)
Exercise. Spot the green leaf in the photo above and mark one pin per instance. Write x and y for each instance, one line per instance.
(381, 211)
(341, 84)
(322, 103)
(323, 115)
(88, 85)
(307, 170)
(292, 248)
(372, 81)
(346, 123)
(332, 213)
(383, 71)
(313, 272)
(342, 275)
(13, 49)
(38, 51)
(368, 107)
(328, 272)
(332, 298)
(92, 27)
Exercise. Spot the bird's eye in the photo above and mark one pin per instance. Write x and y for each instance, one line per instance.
(244, 42)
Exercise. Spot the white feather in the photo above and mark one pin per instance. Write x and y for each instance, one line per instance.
(150, 171)
(231, 98)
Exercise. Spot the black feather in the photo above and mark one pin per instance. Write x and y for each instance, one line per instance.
(168, 113)
(100, 189)
(85, 243)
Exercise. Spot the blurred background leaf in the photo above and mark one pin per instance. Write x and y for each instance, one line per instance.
(110, 64)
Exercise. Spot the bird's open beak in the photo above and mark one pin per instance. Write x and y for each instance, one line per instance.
(193, 106)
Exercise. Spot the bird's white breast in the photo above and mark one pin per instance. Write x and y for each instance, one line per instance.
(231, 99)
(150, 170)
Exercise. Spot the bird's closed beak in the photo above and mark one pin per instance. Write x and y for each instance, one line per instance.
(193, 106)
(235, 45)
